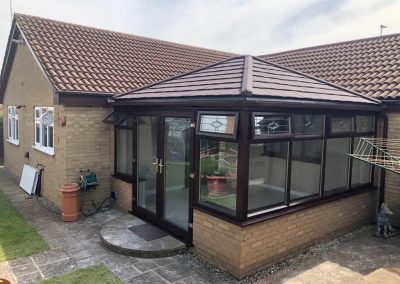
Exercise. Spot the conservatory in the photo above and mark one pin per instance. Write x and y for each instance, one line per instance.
(246, 160)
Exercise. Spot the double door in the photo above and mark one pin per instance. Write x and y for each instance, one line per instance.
(164, 153)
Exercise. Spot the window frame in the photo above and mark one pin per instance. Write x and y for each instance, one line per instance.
(366, 133)
(256, 137)
(232, 136)
(37, 122)
(12, 127)
(311, 136)
(342, 133)
(122, 176)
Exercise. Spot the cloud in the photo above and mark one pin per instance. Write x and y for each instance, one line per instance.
(247, 27)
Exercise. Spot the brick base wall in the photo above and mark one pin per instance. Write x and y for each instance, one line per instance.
(124, 194)
(392, 180)
(243, 251)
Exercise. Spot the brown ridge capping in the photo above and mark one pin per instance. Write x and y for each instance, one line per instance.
(247, 81)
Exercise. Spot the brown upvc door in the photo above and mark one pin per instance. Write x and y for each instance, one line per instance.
(163, 167)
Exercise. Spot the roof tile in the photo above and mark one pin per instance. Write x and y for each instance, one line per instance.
(363, 65)
(90, 52)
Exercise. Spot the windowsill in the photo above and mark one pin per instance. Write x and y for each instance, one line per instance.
(45, 150)
(124, 178)
(14, 142)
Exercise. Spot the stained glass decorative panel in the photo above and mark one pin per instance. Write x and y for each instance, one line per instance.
(365, 123)
(219, 124)
(271, 125)
(341, 124)
(309, 124)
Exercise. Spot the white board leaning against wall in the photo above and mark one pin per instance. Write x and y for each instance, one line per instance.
(29, 179)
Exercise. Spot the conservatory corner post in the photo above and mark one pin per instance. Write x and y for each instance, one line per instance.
(243, 165)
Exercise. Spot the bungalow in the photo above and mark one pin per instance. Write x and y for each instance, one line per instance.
(70, 71)
(243, 158)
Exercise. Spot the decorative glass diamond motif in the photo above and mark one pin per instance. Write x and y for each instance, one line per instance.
(272, 125)
(216, 124)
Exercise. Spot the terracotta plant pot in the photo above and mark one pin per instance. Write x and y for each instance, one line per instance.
(70, 202)
(216, 186)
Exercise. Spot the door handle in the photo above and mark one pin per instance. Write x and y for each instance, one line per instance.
(160, 166)
(156, 164)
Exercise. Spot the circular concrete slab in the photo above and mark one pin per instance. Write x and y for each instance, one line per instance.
(131, 236)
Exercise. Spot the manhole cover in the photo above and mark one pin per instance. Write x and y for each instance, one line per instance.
(148, 232)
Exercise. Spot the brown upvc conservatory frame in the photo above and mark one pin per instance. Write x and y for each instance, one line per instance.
(244, 137)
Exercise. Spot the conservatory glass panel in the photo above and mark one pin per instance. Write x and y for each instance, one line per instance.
(306, 168)
(365, 123)
(271, 125)
(337, 164)
(267, 174)
(218, 173)
(309, 124)
(219, 124)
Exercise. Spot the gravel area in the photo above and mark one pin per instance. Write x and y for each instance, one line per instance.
(216, 275)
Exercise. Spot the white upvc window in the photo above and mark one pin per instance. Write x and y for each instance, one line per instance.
(44, 129)
(13, 125)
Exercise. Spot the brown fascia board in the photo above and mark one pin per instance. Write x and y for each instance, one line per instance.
(247, 102)
(8, 59)
(318, 79)
(83, 99)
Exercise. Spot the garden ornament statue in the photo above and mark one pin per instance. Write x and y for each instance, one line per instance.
(383, 227)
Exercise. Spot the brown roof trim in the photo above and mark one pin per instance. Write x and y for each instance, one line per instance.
(69, 99)
(329, 44)
(247, 83)
(245, 102)
(8, 59)
(319, 80)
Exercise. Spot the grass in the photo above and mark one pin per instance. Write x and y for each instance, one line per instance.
(17, 237)
(90, 275)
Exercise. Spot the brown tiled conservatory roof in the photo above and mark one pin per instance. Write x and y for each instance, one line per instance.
(247, 76)
(369, 66)
(90, 60)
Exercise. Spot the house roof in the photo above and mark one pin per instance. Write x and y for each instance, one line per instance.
(89, 60)
(246, 76)
(369, 66)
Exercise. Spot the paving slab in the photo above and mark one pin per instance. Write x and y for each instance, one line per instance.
(122, 237)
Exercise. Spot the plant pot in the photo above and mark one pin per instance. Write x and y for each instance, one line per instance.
(216, 186)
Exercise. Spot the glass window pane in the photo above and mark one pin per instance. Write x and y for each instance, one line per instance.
(218, 173)
(361, 173)
(340, 124)
(16, 130)
(306, 168)
(271, 125)
(309, 124)
(37, 113)
(51, 136)
(337, 164)
(365, 123)
(267, 174)
(44, 138)
(37, 126)
(124, 151)
(223, 124)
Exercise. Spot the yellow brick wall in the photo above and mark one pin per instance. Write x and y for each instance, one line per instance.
(124, 192)
(392, 180)
(244, 250)
(28, 87)
(88, 146)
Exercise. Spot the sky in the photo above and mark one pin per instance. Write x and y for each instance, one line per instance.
(240, 26)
